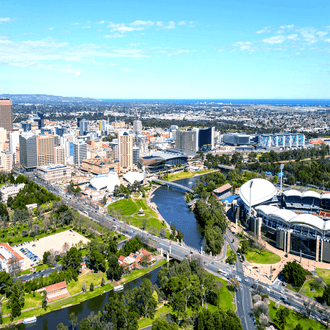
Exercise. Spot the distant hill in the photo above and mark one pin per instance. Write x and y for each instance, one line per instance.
(43, 98)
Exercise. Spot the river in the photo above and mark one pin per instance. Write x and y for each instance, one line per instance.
(173, 208)
(50, 320)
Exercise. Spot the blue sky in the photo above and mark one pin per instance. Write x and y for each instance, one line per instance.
(166, 49)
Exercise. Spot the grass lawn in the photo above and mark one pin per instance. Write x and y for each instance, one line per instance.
(228, 249)
(26, 272)
(204, 171)
(161, 311)
(306, 290)
(179, 175)
(324, 274)
(75, 287)
(296, 318)
(127, 206)
(265, 257)
(226, 298)
(30, 301)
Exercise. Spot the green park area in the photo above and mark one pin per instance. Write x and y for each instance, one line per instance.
(261, 257)
(179, 175)
(129, 209)
(226, 302)
(294, 318)
(324, 274)
(310, 290)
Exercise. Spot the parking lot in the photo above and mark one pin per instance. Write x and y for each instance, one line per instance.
(33, 251)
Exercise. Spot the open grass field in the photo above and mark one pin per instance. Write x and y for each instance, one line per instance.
(30, 302)
(127, 206)
(305, 290)
(75, 287)
(324, 274)
(179, 175)
(265, 257)
(296, 318)
(226, 298)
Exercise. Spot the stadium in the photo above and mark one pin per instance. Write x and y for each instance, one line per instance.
(295, 222)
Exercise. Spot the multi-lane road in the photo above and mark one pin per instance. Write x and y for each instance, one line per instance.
(181, 251)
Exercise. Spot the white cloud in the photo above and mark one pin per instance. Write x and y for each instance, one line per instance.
(266, 29)
(115, 35)
(182, 23)
(142, 23)
(6, 19)
(283, 27)
(159, 23)
(86, 27)
(293, 36)
(327, 40)
(100, 22)
(51, 28)
(321, 33)
(178, 52)
(243, 43)
(171, 25)
(274, 40)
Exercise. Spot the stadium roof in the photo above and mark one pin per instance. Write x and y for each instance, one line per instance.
(292, 192)
(105, 181)
(311, 193)
(131, 177)
(261, 191)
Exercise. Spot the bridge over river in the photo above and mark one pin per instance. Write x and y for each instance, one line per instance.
(173, 185)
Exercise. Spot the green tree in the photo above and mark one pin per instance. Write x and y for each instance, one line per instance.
(44, 300)
(91, 287)
(45, 256)
(73, 320)
(160, 324)
(294, 273)
(16, 301)
(61, 326)
(326, 295)
(281, 317)
(115, 271)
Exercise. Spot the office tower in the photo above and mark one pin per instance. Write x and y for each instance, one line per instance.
(141, 141)
(137, 126)
(80, 152)
(6, 161)
(79, 119)
(6, 114)
(136, 155)
(41, 121)
(13, 141)
(206, 138)
(26, 126)
(28, 150)
(125, 143)
(84, 127)
(102, 125)
(187, 140)
(3, 138)
(45, 149)
(59, 155)
(57, 140)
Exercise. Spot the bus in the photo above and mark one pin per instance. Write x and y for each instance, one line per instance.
(222, 272)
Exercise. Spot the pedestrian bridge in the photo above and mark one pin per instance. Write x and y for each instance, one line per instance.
(173, 185)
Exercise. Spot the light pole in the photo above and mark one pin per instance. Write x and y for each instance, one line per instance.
(281, 167)
(251, 183)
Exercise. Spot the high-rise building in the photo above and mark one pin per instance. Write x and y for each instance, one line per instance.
(3, 138)
(41, 121)
(102, 125)
(187, 140)
(13, 141)
(6, 161)
(45, 149)
(6, 114)
(136, 155)
(141, 141)
(59, 155)
(206, 138)
(28, 150)
(80, 152)
(26, 126)
(84, 127)
(79, 119)
(125, 143)
(137, 126)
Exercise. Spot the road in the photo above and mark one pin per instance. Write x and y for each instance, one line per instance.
(180, 251)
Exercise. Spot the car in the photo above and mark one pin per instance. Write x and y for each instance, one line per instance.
(33, 245)
(212, 263)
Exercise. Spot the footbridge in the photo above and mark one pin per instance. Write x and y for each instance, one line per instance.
(173, 185)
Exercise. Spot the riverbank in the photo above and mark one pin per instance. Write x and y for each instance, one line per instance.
(81, 296)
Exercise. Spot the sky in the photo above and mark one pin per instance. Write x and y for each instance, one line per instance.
(169, 49)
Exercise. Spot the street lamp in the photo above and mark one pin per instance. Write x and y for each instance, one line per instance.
(251, 183)
(281, 167)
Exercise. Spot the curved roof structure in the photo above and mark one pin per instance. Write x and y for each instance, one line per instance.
(261, 191)
(311, 193)
(105, 181)
(309, 220)
(325, 196)
(283, 214)
(292, 192)
(267, 209)
(131, 177)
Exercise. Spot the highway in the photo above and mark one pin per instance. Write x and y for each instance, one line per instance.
(180, 251)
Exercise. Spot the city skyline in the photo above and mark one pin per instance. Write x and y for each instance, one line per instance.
(174, 50)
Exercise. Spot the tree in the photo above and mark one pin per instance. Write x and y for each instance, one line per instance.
(281, 317)
(113, 246)
(294, 273)
(326, 295)
(5, 282)
(16, 301)
(72, 259)
(44, 300)
(178, 303)
(162, 232)
(73, 320)
(103, 282)
(84, 287)
(45, 257)
(61, 326)
(161, 324)
(91, 287)
(115, 271)
(97, 261)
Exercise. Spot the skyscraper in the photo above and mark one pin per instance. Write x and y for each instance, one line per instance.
(45, 149)
(28, 150)
(6, 114)
(125, 143)
(137, 126)
(102, 125)
(3, 138)
(187, 140)
(80, 152)
(206, 138)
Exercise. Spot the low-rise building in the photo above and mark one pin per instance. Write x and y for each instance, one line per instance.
(99, 165)
(9, 259)
(53, 172)
(11, 190)
(56, 291)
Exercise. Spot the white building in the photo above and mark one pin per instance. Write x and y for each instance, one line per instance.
(105, 181)
(11, 190)
(53, 172)
(6, 255)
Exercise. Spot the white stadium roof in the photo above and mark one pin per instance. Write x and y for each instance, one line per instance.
(292, 192)
(311, 193)
(105, 181)
(261, 191)
(131, 177)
